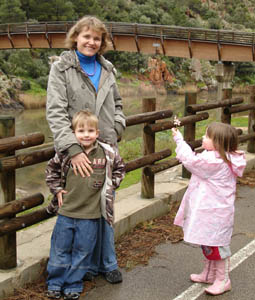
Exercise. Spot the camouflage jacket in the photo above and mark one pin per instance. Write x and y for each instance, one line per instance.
(59, 165)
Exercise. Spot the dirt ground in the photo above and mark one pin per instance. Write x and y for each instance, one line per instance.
(133, 248)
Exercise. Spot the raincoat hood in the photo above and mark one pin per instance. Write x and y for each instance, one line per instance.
(238, 163)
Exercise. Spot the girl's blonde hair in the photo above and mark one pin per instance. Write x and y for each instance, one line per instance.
(84, 117)
(224, 138)
(89, 22)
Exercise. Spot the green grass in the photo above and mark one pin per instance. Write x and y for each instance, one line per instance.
(201, 128)
(35, 89)
(131, 150)
(131, 178)
(239, 121)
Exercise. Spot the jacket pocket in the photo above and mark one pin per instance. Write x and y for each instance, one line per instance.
(96, 179)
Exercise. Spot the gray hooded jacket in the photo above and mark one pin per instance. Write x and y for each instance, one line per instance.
(70, 90)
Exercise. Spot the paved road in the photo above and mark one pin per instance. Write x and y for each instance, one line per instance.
(167, 275)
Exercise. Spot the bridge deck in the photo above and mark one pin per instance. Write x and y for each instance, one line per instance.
(168, 40)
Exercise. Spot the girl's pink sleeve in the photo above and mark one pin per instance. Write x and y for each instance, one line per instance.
(199, 164)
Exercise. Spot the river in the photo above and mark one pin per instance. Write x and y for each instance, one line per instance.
(31, 179)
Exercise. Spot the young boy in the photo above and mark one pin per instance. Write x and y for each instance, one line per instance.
(85, 211)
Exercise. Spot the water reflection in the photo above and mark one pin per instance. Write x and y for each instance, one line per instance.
(32, 179)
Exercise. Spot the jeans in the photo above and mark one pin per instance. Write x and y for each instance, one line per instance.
(79, 246)
(72, 245)
(104, 257)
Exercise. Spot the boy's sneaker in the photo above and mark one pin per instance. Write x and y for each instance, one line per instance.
(71, 296)
(114, 276)
(53, 294)
(88, 277)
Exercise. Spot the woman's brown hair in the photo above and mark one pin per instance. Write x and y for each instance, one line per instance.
(224, 138)
(91, 23)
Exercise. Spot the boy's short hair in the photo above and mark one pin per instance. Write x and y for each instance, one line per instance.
(84, 117)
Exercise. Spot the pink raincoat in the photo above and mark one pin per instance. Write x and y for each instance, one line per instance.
(207, 209)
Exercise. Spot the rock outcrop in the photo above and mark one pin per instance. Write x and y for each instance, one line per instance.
(9, 92)
(203, 72)
(158, 72)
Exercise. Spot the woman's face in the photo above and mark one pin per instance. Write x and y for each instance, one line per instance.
(88, 41)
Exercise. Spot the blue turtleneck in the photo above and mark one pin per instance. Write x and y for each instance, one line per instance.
(91, 67)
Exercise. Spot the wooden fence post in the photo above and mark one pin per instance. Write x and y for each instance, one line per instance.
(251, 124)
(219, 73)
(147, 182)
(8, 253)
(226, 118)
(229, 72)
(189, 129)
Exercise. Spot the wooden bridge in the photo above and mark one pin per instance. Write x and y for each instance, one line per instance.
(217, 45)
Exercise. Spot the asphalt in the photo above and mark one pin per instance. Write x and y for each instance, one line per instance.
(167, 274)
(166, 277)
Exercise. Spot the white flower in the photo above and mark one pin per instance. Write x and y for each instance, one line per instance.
(177, 122)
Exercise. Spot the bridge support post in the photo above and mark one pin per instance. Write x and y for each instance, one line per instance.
(228, 76)
(251, 124)
(8, 253)
(224, 73)
(147, 186)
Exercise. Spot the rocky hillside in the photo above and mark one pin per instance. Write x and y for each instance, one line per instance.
(9, 92)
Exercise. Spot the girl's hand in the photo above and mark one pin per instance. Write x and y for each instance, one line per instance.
(60, 197)
(81, 164)
(174, 131)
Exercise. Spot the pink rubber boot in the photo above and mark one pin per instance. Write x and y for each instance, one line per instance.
(222, 282)
(207, 275)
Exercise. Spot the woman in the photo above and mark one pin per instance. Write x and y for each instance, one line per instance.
(83, 79)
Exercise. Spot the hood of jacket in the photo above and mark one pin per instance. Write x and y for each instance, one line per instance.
(238, 163)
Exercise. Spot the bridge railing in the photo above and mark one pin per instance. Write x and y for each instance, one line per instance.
(151, 161)
(136, 29)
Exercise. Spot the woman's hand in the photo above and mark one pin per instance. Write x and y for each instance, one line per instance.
(60, 197)
(81, 164)
(174, 131)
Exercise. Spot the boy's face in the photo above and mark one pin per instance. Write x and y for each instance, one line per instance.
(86, 135)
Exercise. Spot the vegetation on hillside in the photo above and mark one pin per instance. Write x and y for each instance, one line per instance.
(213, 14)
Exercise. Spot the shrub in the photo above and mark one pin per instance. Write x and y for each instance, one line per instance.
(25, 85)
(42, 81)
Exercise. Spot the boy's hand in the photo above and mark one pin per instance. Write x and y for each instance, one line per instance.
(174, 131)
(60, 197)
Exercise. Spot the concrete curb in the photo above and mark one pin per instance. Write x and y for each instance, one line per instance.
(34, 243)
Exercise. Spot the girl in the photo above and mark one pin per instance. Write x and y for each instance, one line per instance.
(206, 213)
